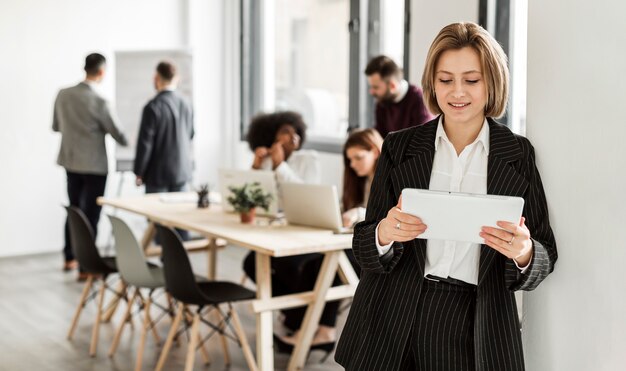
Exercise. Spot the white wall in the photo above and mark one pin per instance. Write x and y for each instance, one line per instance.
(427, 19)
(43, 47)
(575, 321)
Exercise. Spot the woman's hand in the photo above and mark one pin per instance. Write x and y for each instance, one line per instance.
(512, 241)
(350, 217)
(277, 152)
(399, 227)
(259, 154)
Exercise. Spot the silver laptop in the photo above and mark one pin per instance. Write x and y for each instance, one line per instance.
(237, 178)
(312, 205)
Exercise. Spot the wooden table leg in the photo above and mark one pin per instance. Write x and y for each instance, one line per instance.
(314, 311)
(346, 271)
(212, 258)
(264, 325)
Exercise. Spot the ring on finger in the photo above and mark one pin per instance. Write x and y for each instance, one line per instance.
(512, 239)
(398, 226)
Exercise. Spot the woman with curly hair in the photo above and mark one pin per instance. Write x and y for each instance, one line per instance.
(360, 156)
(276, 139)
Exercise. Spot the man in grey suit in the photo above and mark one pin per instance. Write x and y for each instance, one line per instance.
(84, 118)
(163, 161)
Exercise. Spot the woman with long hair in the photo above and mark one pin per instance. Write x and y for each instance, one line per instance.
(360, 157)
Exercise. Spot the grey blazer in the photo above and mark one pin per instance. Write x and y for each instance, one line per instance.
(84, 118)
(386, 299)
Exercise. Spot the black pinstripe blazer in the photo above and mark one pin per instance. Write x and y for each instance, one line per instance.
(385, 301)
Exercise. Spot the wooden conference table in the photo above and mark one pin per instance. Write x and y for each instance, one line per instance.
(267, 240)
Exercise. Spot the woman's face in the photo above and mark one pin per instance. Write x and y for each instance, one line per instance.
(460, 86)
(362, 161)
(289, 139)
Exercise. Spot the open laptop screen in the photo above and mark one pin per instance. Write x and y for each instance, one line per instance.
(313, 205)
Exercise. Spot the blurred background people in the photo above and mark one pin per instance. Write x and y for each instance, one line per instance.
(84, 118)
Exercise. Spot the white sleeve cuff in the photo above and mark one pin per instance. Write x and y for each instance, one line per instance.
(382, 250)
(524, 269)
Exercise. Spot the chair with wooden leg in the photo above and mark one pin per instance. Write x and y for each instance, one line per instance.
(140, 275)
(204, 297)
(98, 269)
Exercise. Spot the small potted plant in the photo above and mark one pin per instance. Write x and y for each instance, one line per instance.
(247, 198)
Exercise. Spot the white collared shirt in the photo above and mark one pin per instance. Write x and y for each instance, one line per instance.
(466, 173)
(92, 84)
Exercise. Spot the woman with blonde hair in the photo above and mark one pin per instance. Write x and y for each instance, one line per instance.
(449, 305)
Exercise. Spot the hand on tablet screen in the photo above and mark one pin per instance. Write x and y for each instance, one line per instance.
(511, 240)
(398, 226)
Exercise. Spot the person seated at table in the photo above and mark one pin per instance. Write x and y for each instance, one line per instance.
(360, 157)
(276, 139)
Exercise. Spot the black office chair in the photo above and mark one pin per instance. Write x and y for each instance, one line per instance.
(98, 269)
(181, 283)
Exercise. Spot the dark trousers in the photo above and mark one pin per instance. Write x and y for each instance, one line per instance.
(293, 274)
(442, 337)
(83, 190)
(184, 235)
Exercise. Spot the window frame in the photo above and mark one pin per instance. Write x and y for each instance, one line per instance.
(365, 43)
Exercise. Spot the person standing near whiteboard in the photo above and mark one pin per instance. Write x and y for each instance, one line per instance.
(84, 118)
(163, 158)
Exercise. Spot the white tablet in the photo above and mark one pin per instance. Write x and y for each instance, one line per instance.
(459, 216)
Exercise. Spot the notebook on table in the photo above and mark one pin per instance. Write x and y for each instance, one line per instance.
(312, 205)
(459, 216)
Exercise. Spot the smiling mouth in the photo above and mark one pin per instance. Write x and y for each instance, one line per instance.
(459, 105)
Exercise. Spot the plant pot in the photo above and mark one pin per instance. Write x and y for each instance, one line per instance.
(203, 200)
(248, 217)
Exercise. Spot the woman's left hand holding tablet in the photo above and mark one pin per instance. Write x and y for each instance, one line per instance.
(511, 240)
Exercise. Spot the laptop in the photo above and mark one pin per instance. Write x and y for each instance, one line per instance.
(459, 216)
(312, 205)
(237, 178)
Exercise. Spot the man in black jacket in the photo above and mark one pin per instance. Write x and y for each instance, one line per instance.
(163, 161)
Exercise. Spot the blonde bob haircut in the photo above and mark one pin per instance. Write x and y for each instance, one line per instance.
(492, 59)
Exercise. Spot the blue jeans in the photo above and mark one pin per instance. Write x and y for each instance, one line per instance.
(184, 235)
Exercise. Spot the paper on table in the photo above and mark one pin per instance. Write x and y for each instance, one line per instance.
(178, 197)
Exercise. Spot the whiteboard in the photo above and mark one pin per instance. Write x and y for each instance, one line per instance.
(134, 87)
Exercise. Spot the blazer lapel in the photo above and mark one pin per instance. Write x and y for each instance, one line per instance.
(502, 179)
(415, 164)
(413, 171)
